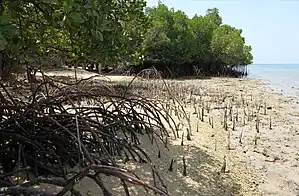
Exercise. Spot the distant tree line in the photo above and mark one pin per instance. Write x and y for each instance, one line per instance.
(183, 46)
(110, 32)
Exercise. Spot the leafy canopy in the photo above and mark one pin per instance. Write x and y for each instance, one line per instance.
(202, 40)
(113, 31)
(106, 30)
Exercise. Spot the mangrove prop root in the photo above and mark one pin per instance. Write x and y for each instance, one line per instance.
(55, 131)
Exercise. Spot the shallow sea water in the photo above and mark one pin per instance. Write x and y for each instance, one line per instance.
(282, 78)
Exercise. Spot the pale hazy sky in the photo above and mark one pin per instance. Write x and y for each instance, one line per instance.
(271, 27)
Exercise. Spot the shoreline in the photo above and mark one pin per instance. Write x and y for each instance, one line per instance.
(274, 157)
(263, 163)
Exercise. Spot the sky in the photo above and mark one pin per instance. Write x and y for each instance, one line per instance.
(271, 27)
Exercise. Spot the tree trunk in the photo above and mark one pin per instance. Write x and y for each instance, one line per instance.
(99, 68)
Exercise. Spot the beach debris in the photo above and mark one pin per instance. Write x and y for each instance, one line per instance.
(223, 168)
(171, 166)
(184, 167)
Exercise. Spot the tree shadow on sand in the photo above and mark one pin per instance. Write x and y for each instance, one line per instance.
(203, 174)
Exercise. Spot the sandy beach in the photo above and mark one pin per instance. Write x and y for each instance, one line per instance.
(149, 98)
(254, 154)
(270, 154)
(263, 162)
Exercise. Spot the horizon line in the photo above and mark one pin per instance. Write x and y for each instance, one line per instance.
(275, 63)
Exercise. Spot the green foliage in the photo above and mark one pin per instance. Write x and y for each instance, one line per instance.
(247, 55)
(227, 45)
(100, 31)
(213, 15)
(112, 31)
(202, 29)
(169, 37)
(202, 42)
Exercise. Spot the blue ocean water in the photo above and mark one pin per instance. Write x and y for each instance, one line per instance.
(281, 77)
